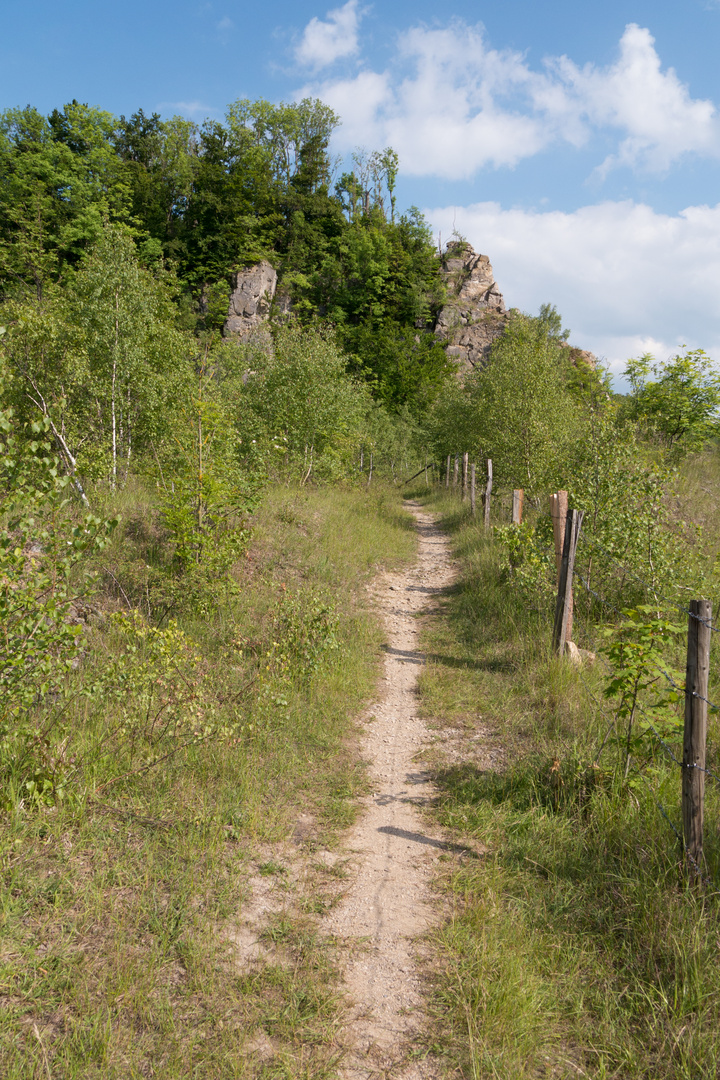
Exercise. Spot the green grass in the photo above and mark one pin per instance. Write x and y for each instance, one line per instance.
(117, 906)
(576, 945)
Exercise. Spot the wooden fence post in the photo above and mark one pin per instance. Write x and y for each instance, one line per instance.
(465, 476)
(447, 473)
(558, 513)
(472, 489)
(371, 469)
(455, 472)
(426, 479)
(563, 607)
(517, 508)
(488, 493)
(696, 692)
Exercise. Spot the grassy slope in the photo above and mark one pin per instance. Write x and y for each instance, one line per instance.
(115, 909)
(575, 948)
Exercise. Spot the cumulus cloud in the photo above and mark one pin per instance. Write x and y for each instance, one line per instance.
(652, 107)
(625, 278)
(451, 104)
(322, 43)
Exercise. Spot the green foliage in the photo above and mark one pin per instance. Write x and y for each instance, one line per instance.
(206, 200)
(636, 648)
(310, 409)
(61, 181)
(529, 559)
(305, 631)
(101, 360)
(206, 490)
(677, 401)
(519, 410)
(631, 550)
(41, 640)
(161, 689)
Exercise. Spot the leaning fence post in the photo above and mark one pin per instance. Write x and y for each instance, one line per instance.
(472, 489)
(455, 472)
(696, 692)
(563, 607)
(488, 493)
(517, 506)
(465, 476)
(447, 473)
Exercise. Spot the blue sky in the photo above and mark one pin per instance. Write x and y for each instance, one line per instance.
(578, 145)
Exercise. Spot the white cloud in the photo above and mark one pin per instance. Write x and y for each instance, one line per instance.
(193, 110)
(322, 43)
(634, 96)
(626, 279)
(452, 105)
(225, 24)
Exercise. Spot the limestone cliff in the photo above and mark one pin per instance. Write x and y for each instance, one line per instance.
(253, 292)
(472, 319)
(474, 314)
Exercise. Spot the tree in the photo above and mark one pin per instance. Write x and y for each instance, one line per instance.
(525, 417)
(306, 400)
(135, 354)
(100, 360)
(678, 401)
(60, 179)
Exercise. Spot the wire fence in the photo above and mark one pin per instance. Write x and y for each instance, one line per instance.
(614, 607)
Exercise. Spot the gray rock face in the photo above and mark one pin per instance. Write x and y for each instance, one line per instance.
(474, 315)
(250, 300)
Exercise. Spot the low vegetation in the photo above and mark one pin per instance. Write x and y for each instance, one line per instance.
(168, 768)
(578, 945)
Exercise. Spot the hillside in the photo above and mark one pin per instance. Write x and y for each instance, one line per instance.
(306, 771)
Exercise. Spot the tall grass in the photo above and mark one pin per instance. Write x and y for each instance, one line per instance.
(577, 945)
(117, 906)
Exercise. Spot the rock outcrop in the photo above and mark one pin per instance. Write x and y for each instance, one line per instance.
(472, 319)
(474, 315)
(253, 292)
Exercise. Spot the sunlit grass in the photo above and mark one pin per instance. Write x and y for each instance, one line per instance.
(114, 959)
(577, 947)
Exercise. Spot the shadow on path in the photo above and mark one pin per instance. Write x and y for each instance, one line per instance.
(420, 838)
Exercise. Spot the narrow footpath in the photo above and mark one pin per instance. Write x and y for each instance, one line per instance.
(388, 904)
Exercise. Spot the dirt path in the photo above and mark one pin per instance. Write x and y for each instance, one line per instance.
(388, 902)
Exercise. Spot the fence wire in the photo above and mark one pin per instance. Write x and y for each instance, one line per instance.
(612, 720)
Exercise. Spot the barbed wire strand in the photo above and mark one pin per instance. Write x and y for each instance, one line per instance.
(660, 807)
(651, 588)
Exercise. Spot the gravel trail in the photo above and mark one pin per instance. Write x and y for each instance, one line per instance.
(388, 903)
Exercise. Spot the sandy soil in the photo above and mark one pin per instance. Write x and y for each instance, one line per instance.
(388, 903)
